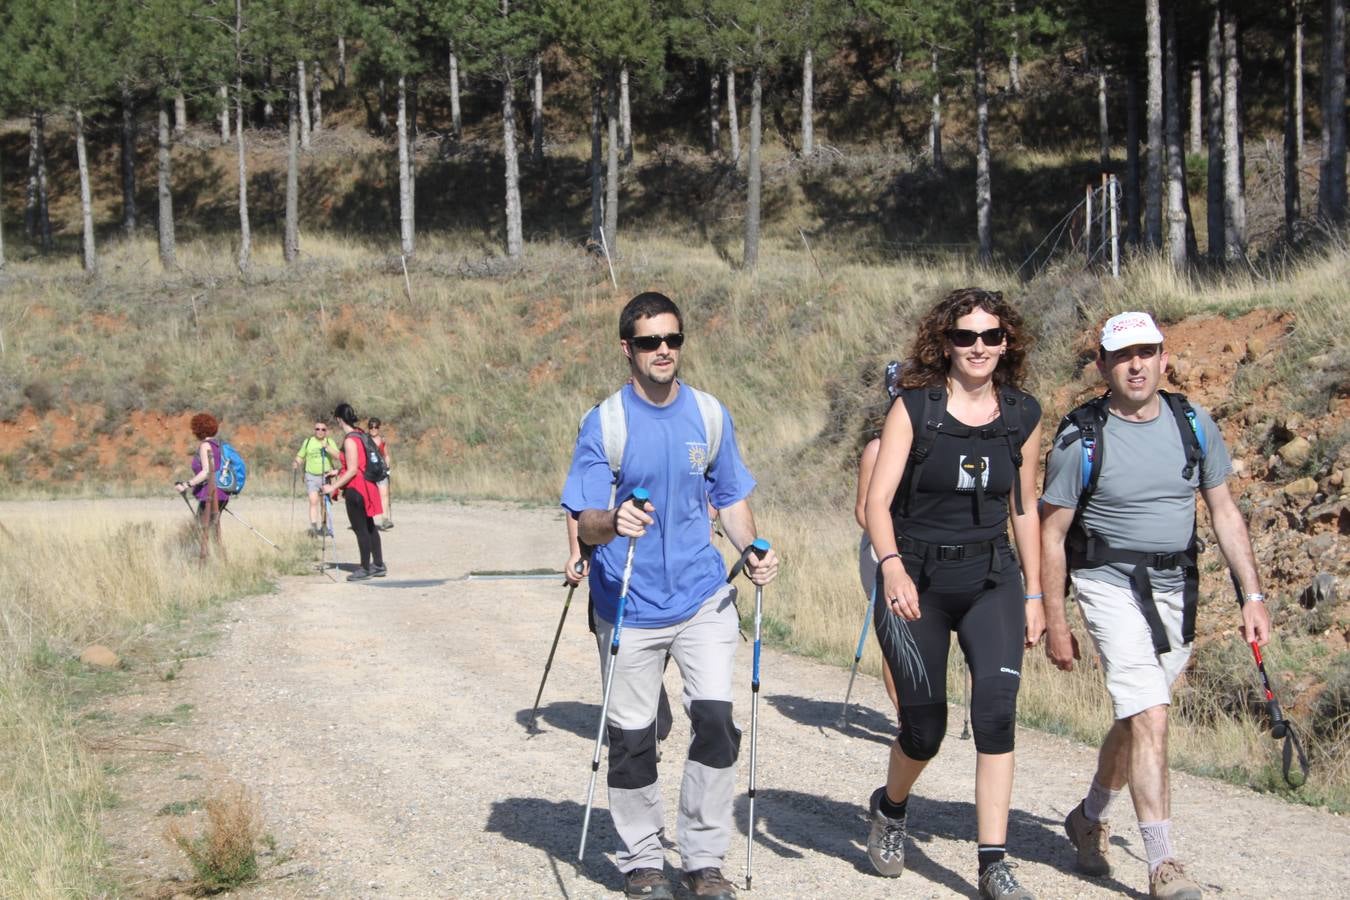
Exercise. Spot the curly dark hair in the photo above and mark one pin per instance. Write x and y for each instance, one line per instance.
(928, 364)
(204, 425)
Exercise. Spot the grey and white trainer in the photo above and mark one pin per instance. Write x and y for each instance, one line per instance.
(999, 883)
(886, 840)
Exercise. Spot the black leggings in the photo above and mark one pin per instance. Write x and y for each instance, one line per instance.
(986, 611)
(367, 535)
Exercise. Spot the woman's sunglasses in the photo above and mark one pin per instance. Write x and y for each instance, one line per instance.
(649, 342)
(964, 337)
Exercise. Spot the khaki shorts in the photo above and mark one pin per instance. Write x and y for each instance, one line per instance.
(313, 483)
(1136, 677)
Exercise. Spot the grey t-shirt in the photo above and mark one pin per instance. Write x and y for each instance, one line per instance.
(1141, 501)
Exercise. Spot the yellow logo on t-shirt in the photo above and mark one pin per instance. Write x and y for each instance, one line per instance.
(698, 458)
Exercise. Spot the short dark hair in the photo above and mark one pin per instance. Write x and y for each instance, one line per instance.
(373, 422)
(345, 412)
(645, 306)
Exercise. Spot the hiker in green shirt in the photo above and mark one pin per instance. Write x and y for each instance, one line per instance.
(318, 454)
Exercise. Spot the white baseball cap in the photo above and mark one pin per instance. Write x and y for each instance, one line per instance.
(1129, 329)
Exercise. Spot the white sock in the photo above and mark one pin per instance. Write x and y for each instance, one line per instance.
(1157, 842)
(1098, 801)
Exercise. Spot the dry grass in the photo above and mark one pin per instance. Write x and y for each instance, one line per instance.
(70, 576)
(225, 854)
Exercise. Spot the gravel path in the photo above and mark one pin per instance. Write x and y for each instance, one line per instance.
(382, 727)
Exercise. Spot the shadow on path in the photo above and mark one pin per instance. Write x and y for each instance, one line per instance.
(580, 719)
(555, 828)
(863, 721)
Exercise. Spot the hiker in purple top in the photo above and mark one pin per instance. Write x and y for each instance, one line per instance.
(211, 500)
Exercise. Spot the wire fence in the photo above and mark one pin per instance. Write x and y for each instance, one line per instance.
(1090, 230)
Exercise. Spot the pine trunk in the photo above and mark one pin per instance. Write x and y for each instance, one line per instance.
(2, 222)
(1103, 123)
(456, 120)
(536, 110)
(1154, 177)
(1332, 204)
(1014, 63)
(39, 195)
(715, 113)
(983, 196)
(625, 116)
(733, 119)
(1132, 198)
(179, 115)
(224, 93)
(751, 254)
(1298, 75)
(290, 245)
(382, 114)
(898, 78)
(86, 195)
(1214, 212)
(168, 247)
(808, 99)
(1234, 201)
(128, 161)
(1197, 131)
(30, 206)
(317, 119)
(406, 225)
(935, 121)
(612, 168)
(597, 164)
(1177, 214)
(515, 240)
(342, 62)
(1292, 204)
(303, 82)
(245, 232)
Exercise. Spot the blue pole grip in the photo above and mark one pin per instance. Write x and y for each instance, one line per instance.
(760, 546)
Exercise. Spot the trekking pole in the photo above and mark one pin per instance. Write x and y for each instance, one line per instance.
(290, 522)
(1280, 727)
(326, 530)
(572, 589)
(251, 528)
(639, 497)
(759, 547)
(842, 721)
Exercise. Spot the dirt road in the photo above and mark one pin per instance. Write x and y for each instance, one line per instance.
(382, 727)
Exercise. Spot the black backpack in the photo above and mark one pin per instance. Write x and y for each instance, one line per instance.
(376, 468)
(930, 423)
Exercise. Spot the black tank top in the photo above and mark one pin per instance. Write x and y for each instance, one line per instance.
(947, 508)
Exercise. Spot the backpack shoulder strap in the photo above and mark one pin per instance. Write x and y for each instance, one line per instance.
(711, 412)
(1088, 418)
(1192, 435)
(1010, 408)
(925, 434)
(613, 436)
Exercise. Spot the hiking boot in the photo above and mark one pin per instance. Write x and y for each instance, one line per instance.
(386, 525)
(378, 571)
(1169, 881)
(886, 840)
(1091, 839)
(999, 883)
(650, 883)
(709, 883)
(359, 575)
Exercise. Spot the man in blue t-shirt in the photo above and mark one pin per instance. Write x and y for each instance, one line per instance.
(678, 600)
(1133, 572)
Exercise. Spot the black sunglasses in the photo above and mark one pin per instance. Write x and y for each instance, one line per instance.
(649, 342)
(964, 337)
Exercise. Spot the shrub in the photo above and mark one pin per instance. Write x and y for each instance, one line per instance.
(225, 854)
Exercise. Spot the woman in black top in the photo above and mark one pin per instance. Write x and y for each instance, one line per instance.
(957, 462)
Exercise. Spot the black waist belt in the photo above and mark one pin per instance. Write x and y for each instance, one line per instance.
(1096, 551)
(935, 553)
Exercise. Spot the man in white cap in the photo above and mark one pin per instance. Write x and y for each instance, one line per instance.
(1118, 517)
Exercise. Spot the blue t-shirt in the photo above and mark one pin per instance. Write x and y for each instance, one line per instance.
(675, 565)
